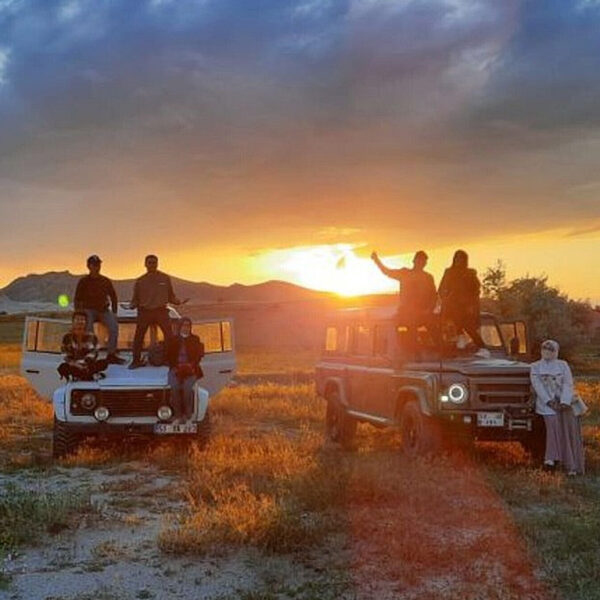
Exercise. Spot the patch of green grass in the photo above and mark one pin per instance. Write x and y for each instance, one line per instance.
(25, 514)
(560, 520)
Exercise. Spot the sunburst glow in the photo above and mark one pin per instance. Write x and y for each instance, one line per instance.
(334, 268)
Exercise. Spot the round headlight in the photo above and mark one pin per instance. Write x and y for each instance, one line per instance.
(458, 393)
(164, 413)
(102, 413)
(88, 401)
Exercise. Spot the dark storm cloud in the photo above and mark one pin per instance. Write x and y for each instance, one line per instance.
(300, 115)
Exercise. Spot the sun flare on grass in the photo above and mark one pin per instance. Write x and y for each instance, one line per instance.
(334, 268)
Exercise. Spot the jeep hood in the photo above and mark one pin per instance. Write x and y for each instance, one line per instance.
(121, 376)
(479, 366)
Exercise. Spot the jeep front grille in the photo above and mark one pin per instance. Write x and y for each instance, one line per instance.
(502, 390)
(124, 403)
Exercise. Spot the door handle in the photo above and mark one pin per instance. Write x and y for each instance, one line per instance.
(32, 371)
(226, 371)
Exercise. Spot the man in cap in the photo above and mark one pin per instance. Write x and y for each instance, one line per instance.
(96, 296)
(417, 297)
(151, 294)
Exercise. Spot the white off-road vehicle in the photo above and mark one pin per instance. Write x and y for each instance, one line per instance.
(123, 403)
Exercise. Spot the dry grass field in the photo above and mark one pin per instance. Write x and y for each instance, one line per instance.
(269, 511)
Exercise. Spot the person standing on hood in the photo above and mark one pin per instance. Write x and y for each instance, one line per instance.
(417, 297)
(92, 295)
(459, 292)
(151, 294)
(556, 401)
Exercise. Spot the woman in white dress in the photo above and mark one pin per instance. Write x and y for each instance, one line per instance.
(557, 403)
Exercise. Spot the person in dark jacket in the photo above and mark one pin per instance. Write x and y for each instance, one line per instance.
(92, 295)
(151, 294)
(416, 299)
(184, 353)
(459, 292)
(80, 348)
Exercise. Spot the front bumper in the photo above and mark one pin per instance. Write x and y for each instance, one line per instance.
(514, 426)
(119, 430)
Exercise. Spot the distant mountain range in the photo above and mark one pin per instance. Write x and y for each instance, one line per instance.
(47, 287)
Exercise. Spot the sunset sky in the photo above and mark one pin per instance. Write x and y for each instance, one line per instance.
(247, 140)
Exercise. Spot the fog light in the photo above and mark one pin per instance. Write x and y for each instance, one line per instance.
(467, 419)
(88, 401)
(102, 413)
(458, 393)
(164, 413)
(444, 398)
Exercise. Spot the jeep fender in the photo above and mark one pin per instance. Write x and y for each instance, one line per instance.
(337, 383)
(202, 398)
(59, 403)
(414, 392)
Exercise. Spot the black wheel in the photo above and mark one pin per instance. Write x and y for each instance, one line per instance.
(203, 433)
(340, 427)
(535, 442)
(64, 441)
(420, 434)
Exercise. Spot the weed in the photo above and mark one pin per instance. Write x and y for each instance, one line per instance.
(25, 514)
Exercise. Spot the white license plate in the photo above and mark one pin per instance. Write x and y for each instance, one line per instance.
(175, 428)
(490, 419)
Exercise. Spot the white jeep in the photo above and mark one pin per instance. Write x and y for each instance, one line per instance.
(123, 403)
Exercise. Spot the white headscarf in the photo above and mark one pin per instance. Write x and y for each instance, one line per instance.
(551, 378)
(549, 351)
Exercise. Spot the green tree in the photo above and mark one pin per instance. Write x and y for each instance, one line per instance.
(549, 313)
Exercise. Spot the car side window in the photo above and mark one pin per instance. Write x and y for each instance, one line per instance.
(363, 342)
(381, 343)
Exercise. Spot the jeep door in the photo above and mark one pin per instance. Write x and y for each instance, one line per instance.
(219, 361)
(42, 340)
(368, 372)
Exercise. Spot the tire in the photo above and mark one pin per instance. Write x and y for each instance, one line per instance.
(535, 443)
(420, 434)
(64, 441)
(340, 427)
(203, 433)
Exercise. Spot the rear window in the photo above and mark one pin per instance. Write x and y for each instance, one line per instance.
(216, 336)
(331, 339)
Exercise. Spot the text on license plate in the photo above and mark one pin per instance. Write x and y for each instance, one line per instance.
(490, 419)
(175, 428)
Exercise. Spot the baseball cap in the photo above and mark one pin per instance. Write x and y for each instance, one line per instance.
(94, 259)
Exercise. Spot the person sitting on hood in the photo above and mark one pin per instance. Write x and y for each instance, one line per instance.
(184, 353)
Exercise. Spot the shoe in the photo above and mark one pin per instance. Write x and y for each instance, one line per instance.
(483, 353)
(136, 364)
(572, 474)
(115, 359)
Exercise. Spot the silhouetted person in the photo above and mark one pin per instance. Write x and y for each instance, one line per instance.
(80, 348)
(459, 292)
(151, 294)
(184, 353)
(416, 299)
(92, 295)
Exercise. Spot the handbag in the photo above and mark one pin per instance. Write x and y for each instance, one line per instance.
(578, 406)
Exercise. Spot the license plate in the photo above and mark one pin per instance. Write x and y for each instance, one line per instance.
(163, 428)
(492, 419)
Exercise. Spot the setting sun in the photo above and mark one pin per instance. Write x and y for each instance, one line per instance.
(335, 268)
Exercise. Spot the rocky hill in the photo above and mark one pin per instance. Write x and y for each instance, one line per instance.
(47, 287)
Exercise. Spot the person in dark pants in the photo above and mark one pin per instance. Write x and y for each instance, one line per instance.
(416, 299)
(459, 291)
(151, 294)
(80, 348)
(92, 295)
(184, 353)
